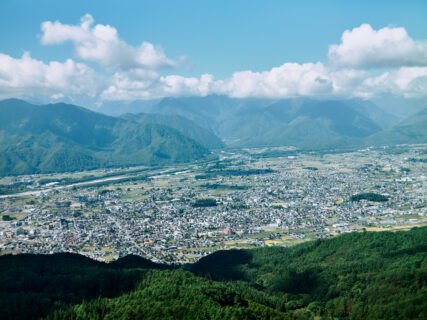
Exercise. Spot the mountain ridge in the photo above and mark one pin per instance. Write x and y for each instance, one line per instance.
(63, 137)
(183, 125)
(249, 122)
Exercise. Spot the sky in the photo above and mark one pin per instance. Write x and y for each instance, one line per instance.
(129, 50)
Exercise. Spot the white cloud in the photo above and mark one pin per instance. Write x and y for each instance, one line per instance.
(127, 86)
(102, 44)
(341, 76)
(131, 85)
(365, 47)
(57, 96)
(290, 79)
(319, 80)
(129, 72)
(178, 85)
(406, 81)
(27, 77)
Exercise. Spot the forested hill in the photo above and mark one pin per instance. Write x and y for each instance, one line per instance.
(365, 275)
(62, 137)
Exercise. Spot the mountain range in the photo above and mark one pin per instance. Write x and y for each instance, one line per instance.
(185, 126)
(301, 122)
(64, 137)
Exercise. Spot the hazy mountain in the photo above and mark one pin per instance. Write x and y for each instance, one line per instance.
(399, 106)
(62, 137)
(411, 130)
(302, 122)
(370, 110)
(211, 112)
(256, 122)
(117, 108)
(185, 126)
(264, 122)
(207, 112)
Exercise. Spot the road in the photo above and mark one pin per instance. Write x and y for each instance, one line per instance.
(39, 192)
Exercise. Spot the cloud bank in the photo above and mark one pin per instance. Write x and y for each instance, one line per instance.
(366, 63)
(26, 76)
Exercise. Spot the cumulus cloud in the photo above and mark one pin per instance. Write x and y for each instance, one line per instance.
(320, 80)
(102, 44)
(150, 86)
(26, 76)
(131, 85)
(406, 81)
(130, 73)
(176, 85)
(364, 47)
(290, 79)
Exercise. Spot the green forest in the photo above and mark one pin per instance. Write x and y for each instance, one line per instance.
(367, 275)
(62, 138)
(370, 196)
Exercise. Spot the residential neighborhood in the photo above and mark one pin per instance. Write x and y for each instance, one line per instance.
(242, 200)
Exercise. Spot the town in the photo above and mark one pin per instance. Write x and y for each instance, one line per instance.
(243, 199)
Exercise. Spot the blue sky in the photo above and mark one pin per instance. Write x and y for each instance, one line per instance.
(218, 38)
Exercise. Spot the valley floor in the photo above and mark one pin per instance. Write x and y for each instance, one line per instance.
(246, 199)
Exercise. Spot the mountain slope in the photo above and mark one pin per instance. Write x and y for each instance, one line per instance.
(304, 123)
(185, 126)
(300, 122)
(210, 112)
(44, 282)
(205, 111)
(370, 110)
(63, 137)
(411, 130)
(368, 275)
(359, 275)
(119, 108)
